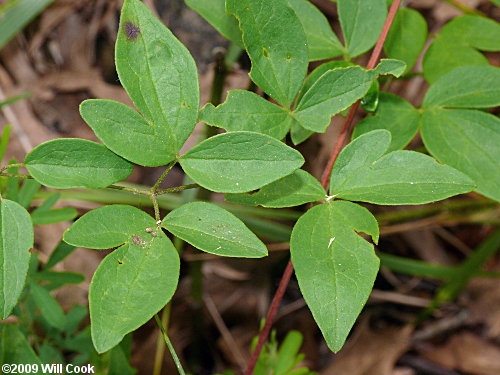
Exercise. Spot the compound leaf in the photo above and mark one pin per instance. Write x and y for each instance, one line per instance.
(361, 23)
(466, 87)
(406, 37)
(125, 132)
(214, 230)
(468, 141)
(214, 12)
(333, 92)
(109, 226)
(131, 285)
(394, 114)
(322, 43)
(159, 74)
(16, 239)
(276, 44)
(67, 163)
(293, 190)
(238, 162)
(399, 177)
(335, 267)
(245, 110)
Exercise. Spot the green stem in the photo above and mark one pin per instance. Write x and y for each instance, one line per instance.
(14, 175)
(156, 207)
(160, 344)
(162, 177)
(170, 346)
(18, 165)
(130, 189)
(176, 189)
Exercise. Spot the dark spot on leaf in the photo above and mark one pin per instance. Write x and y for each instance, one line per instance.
(132, 31)
(120, 262)
(265, 53)
(289, 58)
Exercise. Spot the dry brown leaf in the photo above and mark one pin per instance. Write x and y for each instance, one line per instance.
(370, 352)
(468, 353)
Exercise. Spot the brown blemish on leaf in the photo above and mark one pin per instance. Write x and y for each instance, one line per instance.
(120, 262)
(132, 31)
(137, 240)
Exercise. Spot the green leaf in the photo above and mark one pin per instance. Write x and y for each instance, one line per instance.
(442, 57)
(67, 163)
(109, 226)
(60, 278)
(335, 267)
(13, 99)
(27, 193)
(160, 76)
(391, 66)
(245, 110)
(119, 363)
(322, 42)
(457, 44)
(59, 254)
(293, 190)
(13, 182)
(394, 114)
(333, 92)
(475, 31)
(58, 215)
(125, 132)
(16, 17)
(131, 285)
(238, 162)
(49, 307)
(74, 318)
(4, 141)
(16, 239)
(468, 141)
(276, 44)
(406, 37)
(358, 154)
(298, 133)
(214, 230)
(466, 87)
(16, 349)
(400, 177)
(214, 12)
(133, 282)
(318, 72)
(361, 22)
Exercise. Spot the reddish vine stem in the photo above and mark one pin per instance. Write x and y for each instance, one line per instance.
(324, 182)
(346, 129)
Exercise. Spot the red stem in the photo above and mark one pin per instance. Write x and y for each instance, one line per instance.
(346, 129)
(324, 182)
(270, 317)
